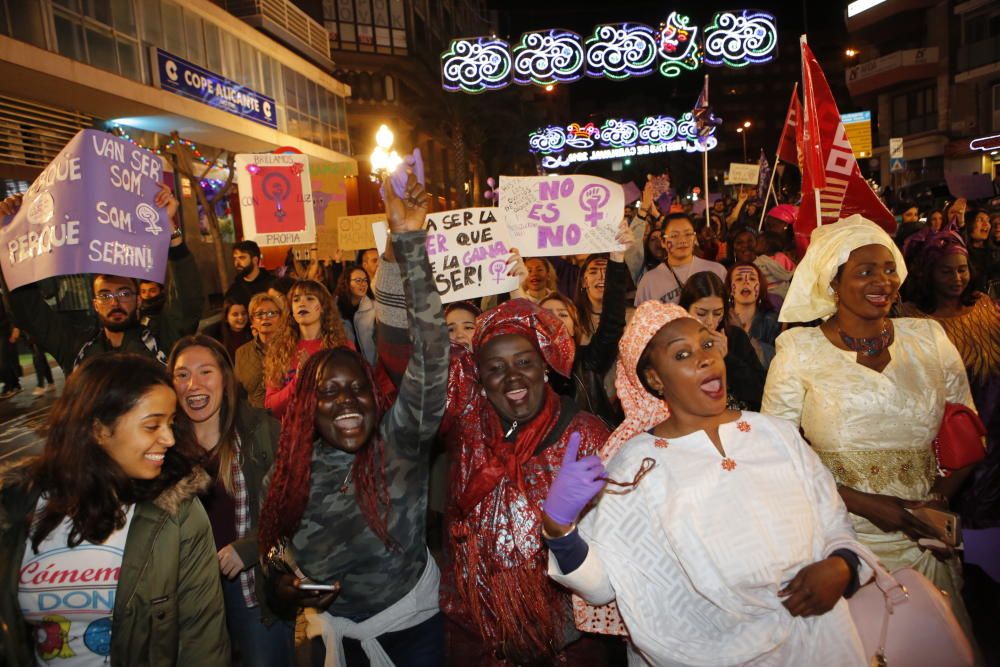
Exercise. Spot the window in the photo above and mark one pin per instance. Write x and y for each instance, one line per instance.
(195, 41)
(69, 37)
(152, 31)
(367, 25)
(213, 48)
(914, 112)
(996, 107)
(173, 30)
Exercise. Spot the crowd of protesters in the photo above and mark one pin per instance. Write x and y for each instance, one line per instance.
(262, 492)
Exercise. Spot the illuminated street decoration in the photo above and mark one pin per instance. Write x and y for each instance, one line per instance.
(547, 57)
(615, 51)
(476, 65)
(679, 47)
(738, 40)
(621, 50)
(617, 138)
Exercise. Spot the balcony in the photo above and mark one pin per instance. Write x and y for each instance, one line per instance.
(978, 54)
(892, 69)
(288, 24)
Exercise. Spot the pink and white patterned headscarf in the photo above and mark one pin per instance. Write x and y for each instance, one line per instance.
(643, 411)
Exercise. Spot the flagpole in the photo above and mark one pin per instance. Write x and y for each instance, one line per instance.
(704, 173)
(770, 189)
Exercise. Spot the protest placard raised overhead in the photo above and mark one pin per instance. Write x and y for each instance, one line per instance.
(468, 250)
(354, 232)
(276, 198)
(561, 215)
(745, 174)
(91, 210)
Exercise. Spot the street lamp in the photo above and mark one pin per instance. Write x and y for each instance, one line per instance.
(850, 52)
(743, 134)
(384, 160)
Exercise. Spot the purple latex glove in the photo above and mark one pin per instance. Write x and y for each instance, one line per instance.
(576, 484)
(411, 163)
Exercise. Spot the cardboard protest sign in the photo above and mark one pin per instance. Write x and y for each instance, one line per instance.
(354, 232)
(276, 198)
(561, 215)
(468, 250)
(747, 174)
(90, 211)
(970, 186)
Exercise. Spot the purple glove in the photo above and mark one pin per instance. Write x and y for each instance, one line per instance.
(411, 163)
(576, 484)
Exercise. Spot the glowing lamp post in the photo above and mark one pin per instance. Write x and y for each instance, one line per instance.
(383, 160)
(742, 131)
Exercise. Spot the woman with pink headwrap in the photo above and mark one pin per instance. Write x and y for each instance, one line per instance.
(727, 542)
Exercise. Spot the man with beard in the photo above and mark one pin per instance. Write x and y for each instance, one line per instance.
(116, 301)
(250, 278)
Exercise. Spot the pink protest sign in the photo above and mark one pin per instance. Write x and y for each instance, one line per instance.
(561, 215)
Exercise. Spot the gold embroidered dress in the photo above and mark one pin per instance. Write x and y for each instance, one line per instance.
(874, 431)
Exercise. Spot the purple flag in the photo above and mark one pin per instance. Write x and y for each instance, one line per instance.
(90, 211)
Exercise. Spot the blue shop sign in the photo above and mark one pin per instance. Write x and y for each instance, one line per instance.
(188, 80)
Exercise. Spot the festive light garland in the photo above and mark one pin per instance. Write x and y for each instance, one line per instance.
(475, 65)
(738, 40)
(614, 51)
(618, 138)
(547, 57)
(618, 51)
(119, 131)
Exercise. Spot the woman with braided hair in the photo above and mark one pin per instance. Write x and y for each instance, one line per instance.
(345, 507)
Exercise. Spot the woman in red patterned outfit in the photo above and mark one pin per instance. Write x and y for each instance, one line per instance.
(507, 432)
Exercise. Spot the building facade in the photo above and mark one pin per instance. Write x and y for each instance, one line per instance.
(928, 71)
(149, 68)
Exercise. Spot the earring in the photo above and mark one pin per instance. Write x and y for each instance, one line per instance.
(546, 376)
(836, 296)
(482, 392)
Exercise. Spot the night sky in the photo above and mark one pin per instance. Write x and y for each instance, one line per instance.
(596, 99)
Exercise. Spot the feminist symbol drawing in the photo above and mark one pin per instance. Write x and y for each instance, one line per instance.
(276, 187)
(498, 268)
(592, 199)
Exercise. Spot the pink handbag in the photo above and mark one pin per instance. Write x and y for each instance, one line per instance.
(905, 621)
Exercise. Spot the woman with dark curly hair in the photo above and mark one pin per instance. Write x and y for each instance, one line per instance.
(108, 514)
(315, 324)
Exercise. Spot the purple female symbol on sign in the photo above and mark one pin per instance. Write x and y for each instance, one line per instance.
(498, 268)
(276, 188)
(592, 199)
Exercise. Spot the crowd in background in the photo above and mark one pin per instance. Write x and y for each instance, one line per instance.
(339, 465)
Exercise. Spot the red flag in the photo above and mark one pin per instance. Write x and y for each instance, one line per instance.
(831, 179)
(787, 150)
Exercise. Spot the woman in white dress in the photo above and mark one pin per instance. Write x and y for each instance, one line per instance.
(869, 393)
(731, 547)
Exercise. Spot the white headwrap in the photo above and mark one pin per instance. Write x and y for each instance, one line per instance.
(810, 296)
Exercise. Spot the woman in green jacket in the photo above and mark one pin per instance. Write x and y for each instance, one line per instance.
(239, 442)
(110, 551)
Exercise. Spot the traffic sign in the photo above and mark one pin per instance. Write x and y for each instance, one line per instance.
(896, 147)
(896, 164)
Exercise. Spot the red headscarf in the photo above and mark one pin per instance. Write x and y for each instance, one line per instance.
(546, 334)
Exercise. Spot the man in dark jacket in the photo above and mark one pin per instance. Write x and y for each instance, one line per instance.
(116, 301)
(250, 278)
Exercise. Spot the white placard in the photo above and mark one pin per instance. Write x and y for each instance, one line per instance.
(746, 174)
(561, 215)
(468, 250)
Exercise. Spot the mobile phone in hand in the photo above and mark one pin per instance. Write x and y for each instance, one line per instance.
(944, 524)
(322, 588)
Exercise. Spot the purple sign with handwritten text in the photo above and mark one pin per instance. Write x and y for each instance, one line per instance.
(562, 215)
(90, 211)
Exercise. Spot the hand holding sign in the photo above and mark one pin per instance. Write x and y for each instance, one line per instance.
(406, 213)
(166, 198)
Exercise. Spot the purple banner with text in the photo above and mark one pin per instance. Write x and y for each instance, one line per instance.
(90, 211)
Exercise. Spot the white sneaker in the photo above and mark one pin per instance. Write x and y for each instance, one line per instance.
(38, 391)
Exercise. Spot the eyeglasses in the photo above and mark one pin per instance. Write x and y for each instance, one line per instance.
(647, 465)
(124, 294)
(359, 281)
(265, 314)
